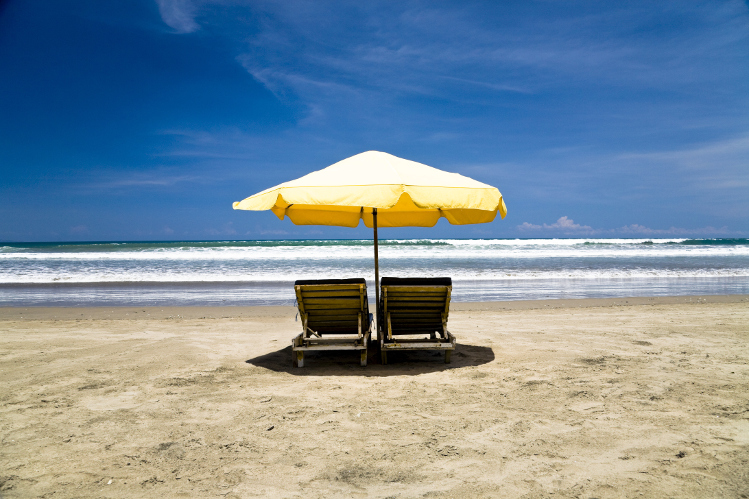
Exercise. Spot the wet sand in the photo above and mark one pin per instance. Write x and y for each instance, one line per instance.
(632, 397)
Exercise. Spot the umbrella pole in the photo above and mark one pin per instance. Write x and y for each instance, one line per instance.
(377, 268)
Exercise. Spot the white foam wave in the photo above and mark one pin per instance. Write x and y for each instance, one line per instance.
(459, 251)
(129, 276)
(461, 259)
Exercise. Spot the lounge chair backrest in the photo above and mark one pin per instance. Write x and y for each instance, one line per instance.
(333, 306)
(415, 305)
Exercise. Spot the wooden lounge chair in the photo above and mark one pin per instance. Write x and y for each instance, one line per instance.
(415, 306)
(334, 315)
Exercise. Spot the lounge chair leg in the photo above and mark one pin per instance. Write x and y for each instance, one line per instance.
(447, 356)
(300, 358)
(384, 357)
(364, 358)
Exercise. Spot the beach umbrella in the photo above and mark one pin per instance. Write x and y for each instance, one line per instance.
(383, 191)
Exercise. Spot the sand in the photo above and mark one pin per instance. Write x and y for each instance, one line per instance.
(582, 398)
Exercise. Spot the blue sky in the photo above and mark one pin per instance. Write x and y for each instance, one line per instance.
(142, 120)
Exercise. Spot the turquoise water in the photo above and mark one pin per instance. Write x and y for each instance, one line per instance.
(262, 272)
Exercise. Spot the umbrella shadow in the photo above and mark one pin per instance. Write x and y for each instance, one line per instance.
(346, 363)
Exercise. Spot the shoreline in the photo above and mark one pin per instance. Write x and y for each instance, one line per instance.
(41, 312)
(270, 293)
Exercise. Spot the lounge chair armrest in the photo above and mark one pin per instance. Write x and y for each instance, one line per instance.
(303, 318)
(367, 326)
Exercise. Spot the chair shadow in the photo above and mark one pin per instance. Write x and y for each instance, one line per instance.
(346, 363)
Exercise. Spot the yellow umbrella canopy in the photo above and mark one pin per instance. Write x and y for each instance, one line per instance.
(405, 194)
(384, 191)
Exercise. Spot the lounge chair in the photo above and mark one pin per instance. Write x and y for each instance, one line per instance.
(415, 306)
(334, 315)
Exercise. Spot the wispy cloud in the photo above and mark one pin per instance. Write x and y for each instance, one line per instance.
(421, 48)
(491, 86)
(717, 165)
(567, 227)
(145, 181)
(124, 180)
(709, 178)
(640, 230)
(179, 15)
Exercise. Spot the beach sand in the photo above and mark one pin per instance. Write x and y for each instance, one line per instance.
(645, 397)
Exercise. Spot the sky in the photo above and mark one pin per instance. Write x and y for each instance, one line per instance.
(145, 120)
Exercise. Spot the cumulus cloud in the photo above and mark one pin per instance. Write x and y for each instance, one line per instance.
(178, 15)
(563, 224)
(567, 226)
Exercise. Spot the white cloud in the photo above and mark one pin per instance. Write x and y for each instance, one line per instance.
(563, 224)
(178, 15)
(567, 226)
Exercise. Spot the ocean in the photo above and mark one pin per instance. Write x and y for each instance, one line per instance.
(263, 272)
